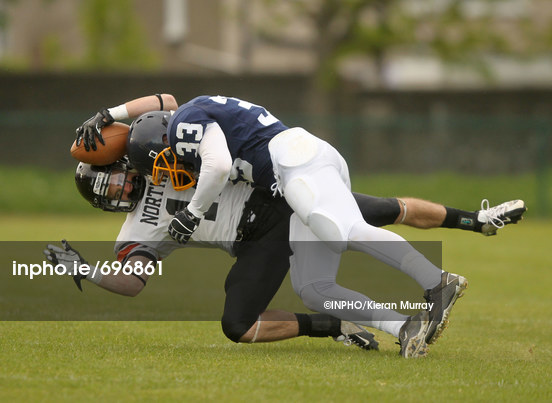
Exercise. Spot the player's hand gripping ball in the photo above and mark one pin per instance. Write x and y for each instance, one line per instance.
(114, 148)
(91, 129)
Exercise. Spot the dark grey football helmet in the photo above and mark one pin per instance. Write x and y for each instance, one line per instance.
(147, 137)
(149, 152)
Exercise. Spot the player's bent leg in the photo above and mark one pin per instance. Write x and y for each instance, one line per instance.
(254, 279)
(395, 251)
(235, 330)
(353, 309)
(378, 211)
(272, 325)
(245, 302)
(326, 296)
(324, 204)
(332, 214)
(302, 196)
(275, 325)
(420, 213)
(313, 273)
(313, 179)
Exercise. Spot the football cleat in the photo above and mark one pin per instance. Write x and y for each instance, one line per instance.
(354, 334)
(494, 218)
(443, 298)
(412, 336)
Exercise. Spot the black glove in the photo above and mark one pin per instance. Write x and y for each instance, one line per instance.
(92, 128)
(183, 225)
(66, 257)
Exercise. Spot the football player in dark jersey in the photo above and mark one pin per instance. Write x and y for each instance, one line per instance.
(227, 138)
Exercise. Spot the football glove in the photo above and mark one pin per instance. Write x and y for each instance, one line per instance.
(183, 225)
(92, 128)
(66, 257)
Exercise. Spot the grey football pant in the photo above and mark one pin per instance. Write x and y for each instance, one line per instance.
(314, 180)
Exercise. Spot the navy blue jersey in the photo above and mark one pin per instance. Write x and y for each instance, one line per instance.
(248, 129)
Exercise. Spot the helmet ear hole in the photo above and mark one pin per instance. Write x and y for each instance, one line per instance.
(147, 138)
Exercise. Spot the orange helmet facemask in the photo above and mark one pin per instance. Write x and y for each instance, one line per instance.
(166, 164)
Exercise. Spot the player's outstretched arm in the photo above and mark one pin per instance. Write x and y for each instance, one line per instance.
(121, 283)
(129, 285)
(276, 325)
(91, 129)
(157, 102)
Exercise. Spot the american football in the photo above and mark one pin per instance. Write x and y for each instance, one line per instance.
(115, 138)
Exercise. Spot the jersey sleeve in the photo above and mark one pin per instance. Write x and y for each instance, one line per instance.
(145, 229)
(126, 250)
(186, 130)
(216, 164)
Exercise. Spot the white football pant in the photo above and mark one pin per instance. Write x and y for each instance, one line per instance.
(314, 179)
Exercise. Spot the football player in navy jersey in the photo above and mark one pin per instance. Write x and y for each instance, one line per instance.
(230, 139)
(262, 251)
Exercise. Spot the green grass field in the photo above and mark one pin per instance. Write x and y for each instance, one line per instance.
(497, 347)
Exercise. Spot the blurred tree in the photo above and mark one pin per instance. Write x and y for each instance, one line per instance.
(114, 38)
(457, 32)
(4, 20)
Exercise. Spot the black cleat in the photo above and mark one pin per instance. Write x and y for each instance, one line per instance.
(412, 336)
(443, 298)
(357, 335)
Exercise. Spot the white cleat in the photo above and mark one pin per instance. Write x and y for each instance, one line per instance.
(495, 218)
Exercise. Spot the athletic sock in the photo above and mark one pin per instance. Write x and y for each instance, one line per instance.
(318, 325)
(466, 220)
(392, 327)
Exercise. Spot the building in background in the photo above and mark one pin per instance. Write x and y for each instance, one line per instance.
(230, 37)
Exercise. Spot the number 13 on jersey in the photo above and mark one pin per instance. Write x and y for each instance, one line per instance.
(183, 132)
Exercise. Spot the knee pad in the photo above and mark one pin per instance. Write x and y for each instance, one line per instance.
(300, 197)
(234, 330)
(293, 147)
(327, 229)
(309, 297)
